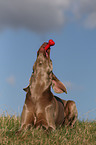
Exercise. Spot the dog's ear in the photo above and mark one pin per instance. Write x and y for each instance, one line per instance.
(26, 89)
(57, 85)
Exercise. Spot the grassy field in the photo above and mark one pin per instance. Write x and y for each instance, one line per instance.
(83, 133)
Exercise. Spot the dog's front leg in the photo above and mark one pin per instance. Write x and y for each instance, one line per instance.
(41, 121)
(27, 118)
(50, 117)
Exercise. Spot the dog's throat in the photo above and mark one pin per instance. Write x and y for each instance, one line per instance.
(40, 84)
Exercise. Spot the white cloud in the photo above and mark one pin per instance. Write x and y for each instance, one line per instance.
(90, 21)
(83, 6)
(38, 15)
(85, 11)
(46, 15)
(72, 86)
(68, 84)
(11, 80)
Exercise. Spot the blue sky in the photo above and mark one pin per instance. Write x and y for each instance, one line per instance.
(25, 25)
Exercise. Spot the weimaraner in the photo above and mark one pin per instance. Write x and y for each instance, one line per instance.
(41, 108)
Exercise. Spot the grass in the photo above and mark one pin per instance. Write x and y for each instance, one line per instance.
(83, 133)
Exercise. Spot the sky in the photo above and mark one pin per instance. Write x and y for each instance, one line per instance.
(24, 26)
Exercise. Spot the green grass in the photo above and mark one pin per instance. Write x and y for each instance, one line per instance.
(83, 133)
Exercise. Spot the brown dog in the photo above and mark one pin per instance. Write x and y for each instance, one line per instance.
(70, 113)
(41, 107)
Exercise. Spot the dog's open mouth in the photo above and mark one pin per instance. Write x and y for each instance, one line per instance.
(45, 48)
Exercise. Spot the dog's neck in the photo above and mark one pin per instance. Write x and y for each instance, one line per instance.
(40, 81)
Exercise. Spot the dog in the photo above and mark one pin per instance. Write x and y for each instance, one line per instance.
(41, 108)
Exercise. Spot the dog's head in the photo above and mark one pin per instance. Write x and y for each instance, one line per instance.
(43, 64)
(45, 52)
